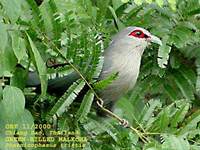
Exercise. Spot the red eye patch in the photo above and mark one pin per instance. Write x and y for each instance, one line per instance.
(138, 34)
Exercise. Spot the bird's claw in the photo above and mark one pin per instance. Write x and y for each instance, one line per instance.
(124, 123)
(100, 102)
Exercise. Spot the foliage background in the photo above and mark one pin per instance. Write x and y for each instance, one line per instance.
(163, 106)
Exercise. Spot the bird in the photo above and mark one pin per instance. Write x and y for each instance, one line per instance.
(122, 56)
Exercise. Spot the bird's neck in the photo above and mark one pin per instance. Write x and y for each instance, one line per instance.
(123, 58)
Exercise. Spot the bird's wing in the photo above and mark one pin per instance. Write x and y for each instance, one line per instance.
(58, 85)
(33, 79)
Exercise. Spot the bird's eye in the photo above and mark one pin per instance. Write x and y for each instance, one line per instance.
(138, 34)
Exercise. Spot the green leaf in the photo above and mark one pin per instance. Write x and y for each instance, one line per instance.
(184, 35)
(175, 62)
(47, 17)
(66, 100)
(183, 85)
(120, 25)
(4, 143)
(162, 120)
(104, 83)
(129, 111)
(57, 29)
(170, 91)
(198, 76)
(150, 110)
(19, 78)
(9, 61)
(180, 113)
(85, 106)
(98, 67)
(25, 123)
(172, 4)
(37, 22)
(4, 37)
(96, 127)
(102, 5)
(195, 147)
(40, 65)
(117, 4)
(175, 143)
(190, 25)
(12, 9)
(138, 2)
(191, 123)
(163, 53)
(13, 103)
(18, 45)
(189, 75)
(1, 91)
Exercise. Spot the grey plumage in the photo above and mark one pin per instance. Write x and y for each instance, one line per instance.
(123, 56)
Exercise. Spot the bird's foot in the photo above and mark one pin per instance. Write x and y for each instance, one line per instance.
(124, 123)
(100, 102)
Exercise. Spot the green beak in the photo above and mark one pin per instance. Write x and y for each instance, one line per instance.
(156, 40)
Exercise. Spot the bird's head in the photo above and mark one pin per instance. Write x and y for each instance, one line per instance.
(135, 38)
(123, 56)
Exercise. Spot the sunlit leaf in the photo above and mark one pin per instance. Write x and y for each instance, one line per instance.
(163, 53)
(40, 65)
(12, 8)
(13, 103)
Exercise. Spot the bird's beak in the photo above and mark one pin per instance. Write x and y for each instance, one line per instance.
(156, 40)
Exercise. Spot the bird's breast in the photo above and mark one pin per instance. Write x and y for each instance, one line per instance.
(127, 67)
